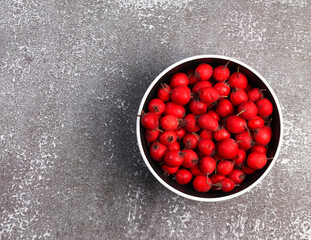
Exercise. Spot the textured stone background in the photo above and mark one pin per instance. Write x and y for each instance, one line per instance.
(72, 76)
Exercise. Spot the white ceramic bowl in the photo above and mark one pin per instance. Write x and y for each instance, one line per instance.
(256, 80)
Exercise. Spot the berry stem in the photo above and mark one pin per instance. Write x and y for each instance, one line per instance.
(237, 72)
(163, 86)
(244, 110)
(226, 64)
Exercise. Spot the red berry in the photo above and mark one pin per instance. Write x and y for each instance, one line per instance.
(167, 137)
(196, 171)
(240, 157)
(204, 71)
(174, 109)
(173, 146)
(238, 80)
(157, 151)
(262, 136)
(206, 147)
(180, 132)
(227, 185)
(183, 176)
(221, 134)
(254, 94)
(238, 96)
(202, 183)
(169, 170)
(223, 89)
(256, 160)
(216, 178)
(197, 107)
(152, 135)
(248, 170)
(191, 76)
(199, 85)
(181, 95)
(224, 108)
(235, 124)
(169, 122)
(208, 95)
(207, 122)
(237, 176)
(190, 140)
(265, 107)
(150, 121)
(259, 148)
(164, 92)
(224, 167)
(244, 140)
(256, 122)
(247, 110)
(190, 158)
(207, 165)
(221, 73)
(173, 158)
(214, 115)
(179, 79)
(228, 149)
(191, 123)
(204, 134)
(156, 106)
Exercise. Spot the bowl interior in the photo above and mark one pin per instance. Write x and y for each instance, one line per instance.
(255, 81)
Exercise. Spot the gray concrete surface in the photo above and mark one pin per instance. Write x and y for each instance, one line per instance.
(72, 75)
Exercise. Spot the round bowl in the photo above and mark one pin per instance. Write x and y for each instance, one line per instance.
(256, 80)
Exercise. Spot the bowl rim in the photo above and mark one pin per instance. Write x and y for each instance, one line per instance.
(201, 199)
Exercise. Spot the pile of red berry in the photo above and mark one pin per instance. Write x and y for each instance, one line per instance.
(208, 128)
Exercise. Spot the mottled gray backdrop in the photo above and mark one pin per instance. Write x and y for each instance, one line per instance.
(72, 74)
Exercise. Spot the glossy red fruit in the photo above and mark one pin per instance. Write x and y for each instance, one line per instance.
(227, 185)
(173, 146)
(157, 151)
(259, 148)
(208, 95)
(204, 71)
(183, 176)
(190, 158)
(237, 176)
(190, 141)
(238, 80)
(197, 107)
(204, 134)
(247, 170)
(191, 76)
(206, 147)
(248, 110)
(256, 122)
(224, 108)
(150, 121)
(179, 79)
(256, 160)
(167, 137)
(151, 135)
(254, 94)
(190, 123)
(174, 109)
(196, 171)
(223, 89)
(262, 136)
(173, 158)
(216, 178)
(201, 84)
(180, 133)
(181, 95)
(202, 184)
(213, 114)
(225, 167)
(244, 140)
(164, 92)
(169, 170)
(207, 122)
(156, 106)
(207, 165)
(265, 107)
(221, 134)
(228, 149)
(240, 157)
(235, 124)
(221, 73)
(169, 122)
(238, 96)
